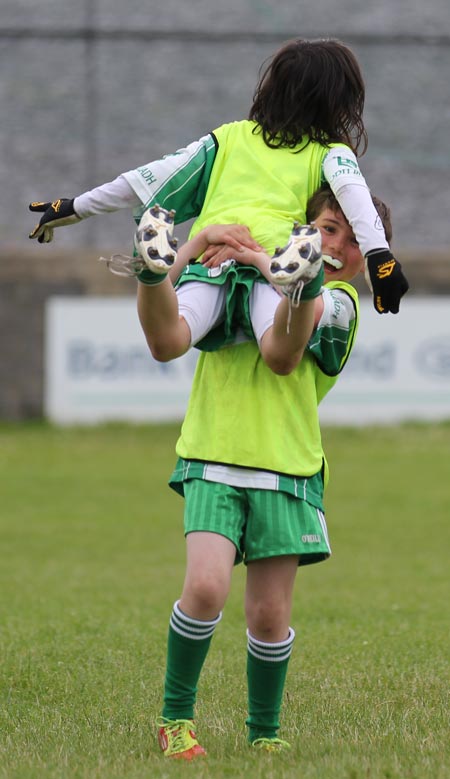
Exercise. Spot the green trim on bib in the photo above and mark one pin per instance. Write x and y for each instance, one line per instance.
(308, 488)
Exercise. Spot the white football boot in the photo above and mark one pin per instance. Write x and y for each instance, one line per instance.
(300, 259)
(153, 239)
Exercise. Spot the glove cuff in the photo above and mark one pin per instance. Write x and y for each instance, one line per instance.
(71, 203)
(380, 255)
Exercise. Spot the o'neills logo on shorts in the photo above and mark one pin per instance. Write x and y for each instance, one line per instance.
(312, 539)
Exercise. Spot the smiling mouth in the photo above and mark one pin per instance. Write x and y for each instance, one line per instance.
(331, 263)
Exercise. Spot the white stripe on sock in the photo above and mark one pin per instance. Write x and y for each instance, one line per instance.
(192, 628)
(273, 652)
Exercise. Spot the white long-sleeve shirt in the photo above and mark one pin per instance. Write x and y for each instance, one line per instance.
(183, 177)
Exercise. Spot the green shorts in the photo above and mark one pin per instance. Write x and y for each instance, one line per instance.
(239, 280)
(260, 523)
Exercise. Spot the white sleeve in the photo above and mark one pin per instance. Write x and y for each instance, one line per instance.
(341, 170)
(331, 342)
(338, 309)
(108, 197)
(180, 171)
(178, 180)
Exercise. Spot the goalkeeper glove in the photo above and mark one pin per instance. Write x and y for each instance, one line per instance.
(386, 281)
(57, 214)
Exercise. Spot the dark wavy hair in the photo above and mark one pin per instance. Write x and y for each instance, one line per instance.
(311, 90)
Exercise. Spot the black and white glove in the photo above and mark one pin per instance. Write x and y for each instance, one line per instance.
(386, 280)
(57, 214)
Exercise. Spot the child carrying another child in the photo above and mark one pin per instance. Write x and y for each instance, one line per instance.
(305, 127)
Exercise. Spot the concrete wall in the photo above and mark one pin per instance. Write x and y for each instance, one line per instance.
(25, 284)
(93, 88)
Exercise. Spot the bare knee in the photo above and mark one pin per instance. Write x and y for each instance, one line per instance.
(268, 620)
(204, 594)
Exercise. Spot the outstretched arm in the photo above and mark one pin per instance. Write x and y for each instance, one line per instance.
(178, 182)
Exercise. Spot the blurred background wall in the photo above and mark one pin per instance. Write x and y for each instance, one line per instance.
(94, 88)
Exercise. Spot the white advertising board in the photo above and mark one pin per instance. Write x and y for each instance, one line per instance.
(399, 369)
(98, 366)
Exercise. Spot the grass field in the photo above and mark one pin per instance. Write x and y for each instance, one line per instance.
(92, 560)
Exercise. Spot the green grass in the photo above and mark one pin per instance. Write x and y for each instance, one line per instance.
(93, 558)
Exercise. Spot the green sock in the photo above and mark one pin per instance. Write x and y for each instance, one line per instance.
(266, 674)
(312, 288)
(149, 278)
(187, 647)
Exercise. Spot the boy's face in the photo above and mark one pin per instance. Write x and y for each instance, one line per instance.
(339, 242)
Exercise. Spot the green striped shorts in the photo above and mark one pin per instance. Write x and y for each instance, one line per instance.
(260, 523)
